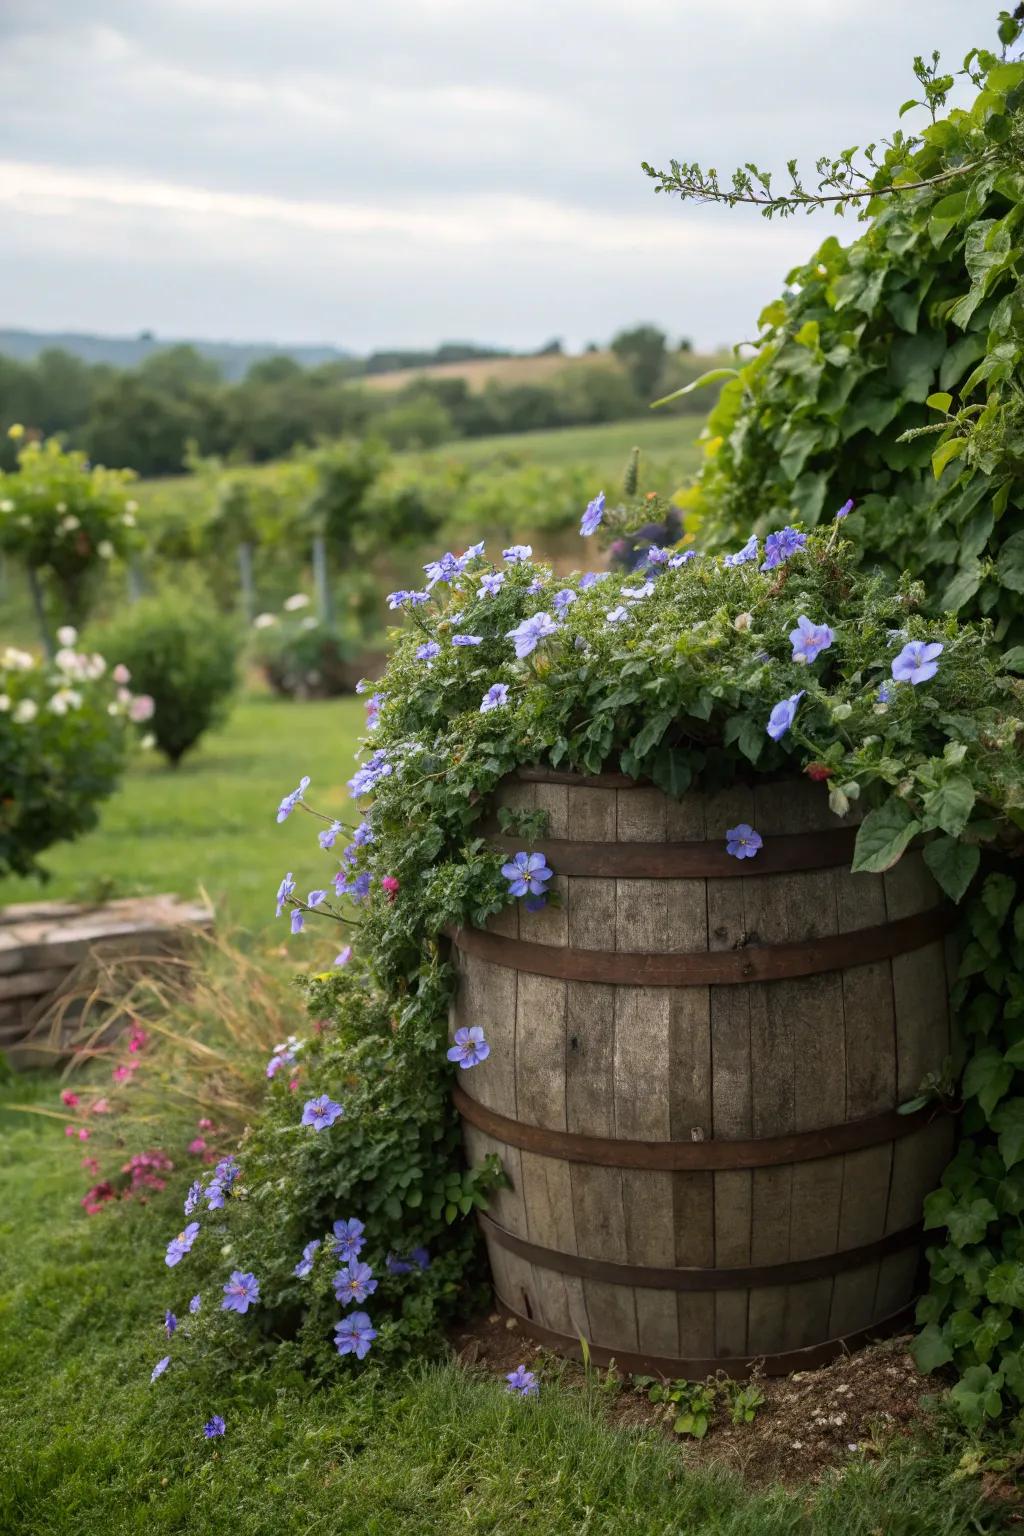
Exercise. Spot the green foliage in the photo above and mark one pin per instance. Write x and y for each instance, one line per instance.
(302, 657)
(66, 521)
(642, 353)
(182, 652)
(64, 734)
(890, 369)
(695, 1405)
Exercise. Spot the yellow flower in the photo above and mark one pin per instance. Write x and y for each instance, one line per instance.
(16, 431)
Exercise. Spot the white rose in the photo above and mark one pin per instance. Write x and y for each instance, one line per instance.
(6, 506)
(67, 634)
(70, 523)
(17, 661)
(294, 603)
(121, 674)
(264, 621)
(105, 549)
(25, 712)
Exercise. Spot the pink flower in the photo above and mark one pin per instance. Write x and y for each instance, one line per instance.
(391, 886)
(101, 1107)
(293, 1085)
(197, 1146)
(141, 708)
(204, 1124)
(83, 1134)
(90, 1164)
(69, 1098)
(122, 1073)
(121, 675)
(137, 1038)
(69, 1130)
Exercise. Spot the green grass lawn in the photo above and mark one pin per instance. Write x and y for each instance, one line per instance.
(211, 823)
(89, 1445)
(670, 439)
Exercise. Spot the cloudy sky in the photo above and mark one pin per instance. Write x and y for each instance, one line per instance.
(382, 172)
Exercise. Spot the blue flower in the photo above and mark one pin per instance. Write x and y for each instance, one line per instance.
(528, 635)
(492, 583)
(305, 1264)
(744, 555)
(809, 640)
(473, 551)
(845, 510)
(617, 615)
(315, 898)
(527, 874)
(884, 693)
(240, 1292)
(448, 569)
(328, 837)
(591, 579)
(321, 1113)
(682, 559)
(298, 921)
(214, 1427)
(348, 1238)
(563, 600)
(657, 556)
(427, 651)
(522, 1381)
(779, 546)
(358, 887)
(195, 1303)
(742, 842)
(369, 775)
(289, 802)
(494, 698)
(344, 955)
(354, 1335)
(170, 1323)
(362, 835)
(634, 594)
(592, 517)
(180, 1245)
(517, 554)
(783, 715)
(354, 1283)
(284, 890)
(396, 599)
(195, 1190)
(470, 1047)
(916, 663)
(373, 708)
(467, 639)
(215, 1195)
(419, 1258)
(160, 1367)
(227, 1170)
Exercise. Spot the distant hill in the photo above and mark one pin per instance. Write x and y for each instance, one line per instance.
(232, 357)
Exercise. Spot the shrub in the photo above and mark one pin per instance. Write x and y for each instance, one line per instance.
(65, 729)
(183, 653)
(304, 658)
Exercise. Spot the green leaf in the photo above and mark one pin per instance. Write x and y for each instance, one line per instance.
(968, 1220)
(945, 452)
(930, 1349)
(1013, 659)
(954, 864)
(987, 1077)
(940, 401)
(713, 376)
(949, 806)
(1010, 565)
(997, 895)
(961, 589)
(977, 1396)
(671, 771)
(1006, 1285)
(1008, 1122)
(882, 837)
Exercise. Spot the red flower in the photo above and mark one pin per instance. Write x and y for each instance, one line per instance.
(391, 886)
(819, 771)
(69, 1098)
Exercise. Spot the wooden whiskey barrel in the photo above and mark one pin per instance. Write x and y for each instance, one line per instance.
(693, 1079)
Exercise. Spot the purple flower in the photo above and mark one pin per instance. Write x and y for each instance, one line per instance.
(298, 921)
(591, 519)
(531, 632)
(527, 874)
(492, 583)
(160, 1367)
(744, 555)
(305, 1264)
(742, 842)
(328, 837)
(170, 1323)
(678, 560)
(344, 955)
(916, 662)
(315, 898)
(809, 640)
(522, 1381)
(195, 1191)
(845, 510)
(180, 1245)
(562, 601)
(473, 551)
(354, 1283)
(657, 556)
(373, 708)
(779, 546)
(284, 890)
(634, 594)
(396, 599)
(427, 651)
(884, 693)
(215, 1195)
(214, 1427)
(289, 802)
(494, 698)
(195, 1303)
(369, 775)
(348, 1238)
(362, 835)
(591, 579)
(517, 554)
(227, 1170)
(470, 1047)
(447, 569)
(467, 639)
(240, 1292)
(617, 615)
(321, 1113)
(419, 1258)
(354, 1335)
(783, 715)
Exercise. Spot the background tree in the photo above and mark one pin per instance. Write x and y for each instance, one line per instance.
(641, 351)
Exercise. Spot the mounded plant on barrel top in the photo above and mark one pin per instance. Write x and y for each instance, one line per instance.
(780, 658)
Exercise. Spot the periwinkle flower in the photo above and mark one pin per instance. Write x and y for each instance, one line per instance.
(563, 600)
(845, 510)
(192, 1199)
(522, 1382)
(617, 615)
(682, 559)
(634, 594)
(470, 1047)
(354, 1335)
(593, 516)
(354, 1283)
(369, 775)
(467, 639)
(170, 1323)
(348, 1238)
(290, 801)
(742, 842)
(180, 1245)
(329, 836)
(809, 640)
(396, 1264)
(321, 1112)
(160, 1367)
(427, 651)
(298, 921)
(916, 663)
(315, 898)
(240, 1292)
(527, 874)
(362, 835)
(780, 546)
(492, 583)
(591, 578)
(528, 635)
(743, 556)
(517, 554)
(284, 890)
(344, 955)
(305, 1264)
(494, 698)
(214, 1427)
(783, 715)
(448, 569)
(397, 599)
(195, 1303)
(215, 1195)
(884, 693)
(373, 708)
